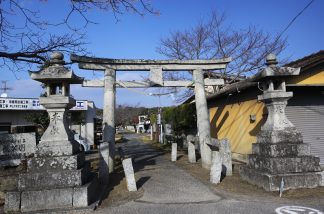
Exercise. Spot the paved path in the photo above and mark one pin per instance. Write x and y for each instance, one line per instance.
(169, 189)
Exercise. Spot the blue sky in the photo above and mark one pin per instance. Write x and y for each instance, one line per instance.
(137, 37)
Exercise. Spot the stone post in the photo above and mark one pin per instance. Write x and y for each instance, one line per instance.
(174, 152)
(191, 149)
(226, 155)
(129, 174)
(216, 167)
(203, 123)
(109, 114)
(104, 163)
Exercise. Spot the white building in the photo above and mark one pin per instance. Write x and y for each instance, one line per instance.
(14, 113)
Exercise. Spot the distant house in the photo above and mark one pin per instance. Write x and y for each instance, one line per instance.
(236, 114)
(143, 123)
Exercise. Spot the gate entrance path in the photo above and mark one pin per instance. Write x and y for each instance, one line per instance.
(162, 181)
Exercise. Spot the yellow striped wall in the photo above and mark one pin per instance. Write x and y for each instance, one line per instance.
(233, 121)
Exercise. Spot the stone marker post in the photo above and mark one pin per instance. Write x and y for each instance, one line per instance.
(216, 168)
(57, 178)
(128, 170)
(216, 165)
(174, 152)
(191, 149)
(279, 153)
(104, 163)
(129, 174)
(226, 155)
(109, 115)
(151, 130)
(203, 123)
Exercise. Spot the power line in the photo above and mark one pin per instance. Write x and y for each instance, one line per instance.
(294, 19)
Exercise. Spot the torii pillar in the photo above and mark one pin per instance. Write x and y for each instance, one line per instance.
(203, 124)
(109, 114)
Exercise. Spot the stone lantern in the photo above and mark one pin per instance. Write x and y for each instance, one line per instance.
(57, 139)
(277, 128)
(58, 177)
(279, 159)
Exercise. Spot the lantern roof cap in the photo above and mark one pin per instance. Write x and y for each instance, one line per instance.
(56, 72)
(272, 71)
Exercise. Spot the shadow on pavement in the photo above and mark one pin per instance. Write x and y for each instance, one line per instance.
(142, 181)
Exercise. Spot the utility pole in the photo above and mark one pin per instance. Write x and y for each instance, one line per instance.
(4, 88)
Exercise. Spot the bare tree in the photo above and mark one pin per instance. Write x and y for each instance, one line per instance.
(214, 39)
(128, 114)
(27, 38)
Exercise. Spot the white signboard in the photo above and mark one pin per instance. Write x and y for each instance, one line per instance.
(32, 104)
(80, 105)
(19, 104)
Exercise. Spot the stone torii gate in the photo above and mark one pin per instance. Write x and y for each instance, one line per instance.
(156, 68)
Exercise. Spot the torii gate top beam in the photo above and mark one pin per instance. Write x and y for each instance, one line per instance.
(94, 63)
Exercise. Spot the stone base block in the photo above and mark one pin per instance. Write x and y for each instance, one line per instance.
(272, 182)
(87, 194)
(281, 165)
(288, 135)
(12, 202)
(46, 201)
(70, 162)
(9, 180)
(280, 149)
(54, 179)
(57, 148)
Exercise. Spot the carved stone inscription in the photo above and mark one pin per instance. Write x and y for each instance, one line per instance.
(55, 118)
(14, 147)
(58, 129)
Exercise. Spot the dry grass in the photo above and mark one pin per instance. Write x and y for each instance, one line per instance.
(117, 193)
